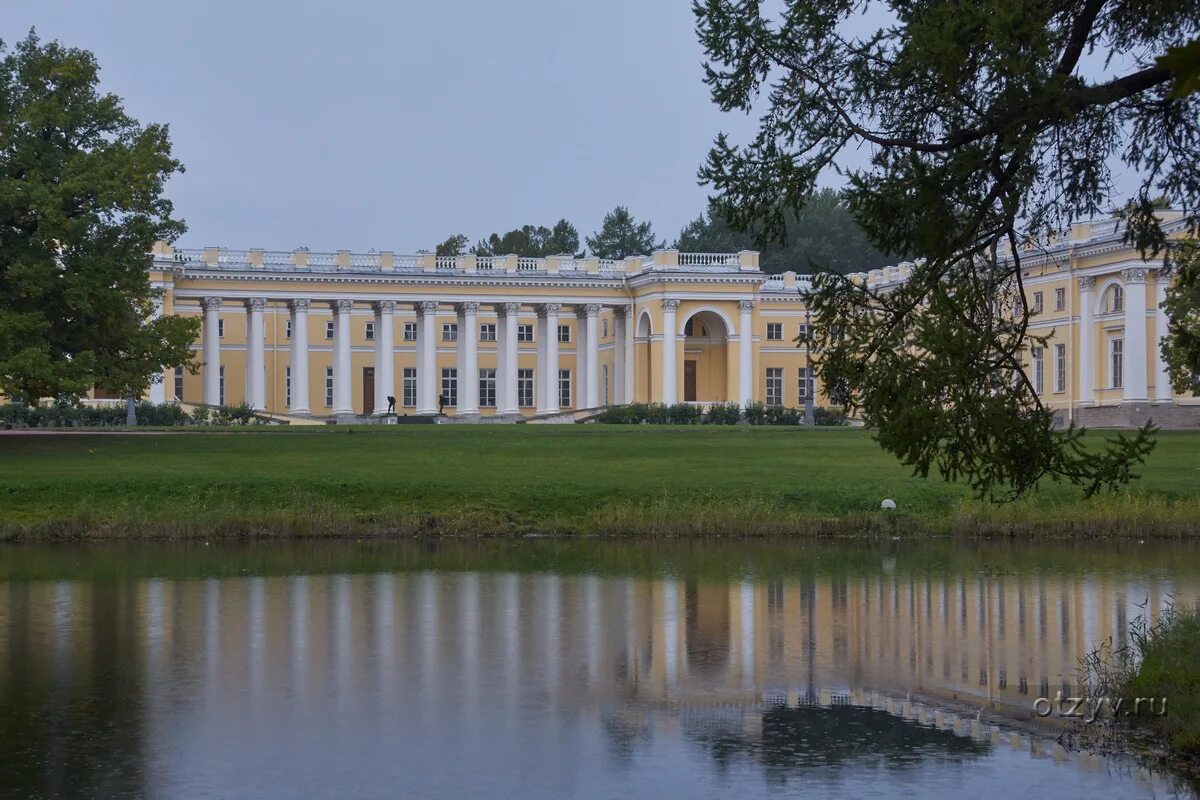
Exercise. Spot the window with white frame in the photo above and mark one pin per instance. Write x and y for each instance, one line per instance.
(525, 388)
(329, 387)
(450, 385)
(774, 331)
(564, 388)
(1060, 367)
(805, 383)
(410, 331)
(449, 331)
(564, 333)
(1036, 368)
(487, 388)
(287, 386)
(1060, 299)
(604, 328)
(487, 332)
(221, 387)
(604, 384)
(1114, 299)
(802, 333)
(287, 329)
(525, 333)
(1037, 302)
(369, 332)
(329, 329)
(220, 329)
(179, 384)
(409, 387)
(774, 386)
(689, 327)
(1116, 363)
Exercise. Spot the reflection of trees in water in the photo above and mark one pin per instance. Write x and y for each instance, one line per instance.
(624, 731)
(72, 729)
(798, 740)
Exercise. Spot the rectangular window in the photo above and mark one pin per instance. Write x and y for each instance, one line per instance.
(410, 331)
(221, 388)
(329, 387)
(774, 331)
(564, 333)
(805, 382)
(604, 328)
(287, 329)
(1060, 367)
(369, 332)
(1116, 359)
(487, 332)
(774, 386)
(1060, 299)
(487, 388)
(329, 330)
(287, 386)
(564, 388)
(802, 333)
(449, 331)
(524, 333)
(220, 329)
(409, 387)
(604, 384)
(179, 384)
(525, 388)
(1037, 302)
(1038, 385)
(450, 385)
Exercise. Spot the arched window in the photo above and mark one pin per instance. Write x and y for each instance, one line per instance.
(1114, 299)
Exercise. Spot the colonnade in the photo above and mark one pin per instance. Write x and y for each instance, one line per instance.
(1135, 380)
(467, 347)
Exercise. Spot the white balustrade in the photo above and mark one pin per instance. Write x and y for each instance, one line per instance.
(233, 256)
(446, 262)
(708, 259)
(365, 260)
(277, 258)
(485, 263)
(528, 264)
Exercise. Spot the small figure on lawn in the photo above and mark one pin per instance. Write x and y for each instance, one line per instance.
(391, 405)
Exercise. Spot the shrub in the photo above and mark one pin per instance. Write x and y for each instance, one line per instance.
(723, 414)
(66, 415)
(756, 414)
(829, 416)
(684, 414)
(240, 414)
(781, 415)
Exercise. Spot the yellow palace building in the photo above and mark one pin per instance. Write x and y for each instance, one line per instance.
(334, 334)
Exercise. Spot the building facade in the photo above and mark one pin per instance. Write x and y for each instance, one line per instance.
(335, 334)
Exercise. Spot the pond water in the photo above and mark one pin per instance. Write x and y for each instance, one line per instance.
(551, 668)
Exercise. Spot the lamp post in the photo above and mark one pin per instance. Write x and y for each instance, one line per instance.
(808, 379)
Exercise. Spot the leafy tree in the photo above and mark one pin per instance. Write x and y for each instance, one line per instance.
(531, 241)
(984, 129)
(456, 245)
(81, 206)
(620, 235)
(822, 235)
(1182, 305)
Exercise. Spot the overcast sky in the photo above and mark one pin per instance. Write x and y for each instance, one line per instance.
(390, 125)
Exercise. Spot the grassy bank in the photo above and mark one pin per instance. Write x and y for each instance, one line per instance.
(505, 480)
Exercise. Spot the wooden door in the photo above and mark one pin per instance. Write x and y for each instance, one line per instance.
(689, 380)
(368, 390)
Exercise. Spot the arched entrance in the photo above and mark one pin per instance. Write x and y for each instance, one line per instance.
(705, 357)
(644, 383)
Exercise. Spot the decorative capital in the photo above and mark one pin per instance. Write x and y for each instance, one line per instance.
(385, 306)
(746, 305)
(1087, 283)
(546, 309)
(427, 307)
(621, 311)
(299, 305)
(588, 310)
(1134, 275)
(256, 303)
(467, 308)
(670, 304)
(210, 303)
(508, 309)
(341, 306)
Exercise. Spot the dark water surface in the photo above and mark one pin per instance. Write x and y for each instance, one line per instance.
(560, 668)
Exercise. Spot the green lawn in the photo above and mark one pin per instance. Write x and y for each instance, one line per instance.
(515, 479)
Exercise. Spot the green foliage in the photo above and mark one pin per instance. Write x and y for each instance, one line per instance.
(1184, 63)
(984, 132)
(684, 414)
(620, 235)
(455, 245)
(1181, 347)
(240, 414)
(531, 241)
(81, 206)
(829, 416)
(67, 415)
(821, 236)
(723, 414)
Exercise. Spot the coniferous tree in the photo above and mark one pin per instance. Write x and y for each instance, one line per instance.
(621, 235)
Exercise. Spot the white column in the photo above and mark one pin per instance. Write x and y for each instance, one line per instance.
(620, 357)
(1087, 358)
(546, 377)
(426, 357)
(1135, 335)
(299, 365)
(745, 352)
(212, 350)
(591, 342)
(507, 360)
(343, 402)
(1162, 382)
(385, 355)
(158, 381)
(256, 374)
(468, 359)
(668, 351)
(579, 396)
